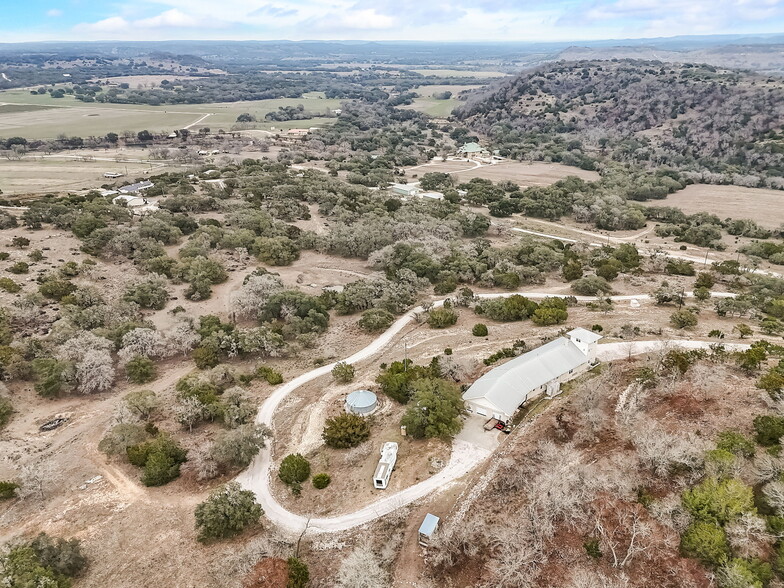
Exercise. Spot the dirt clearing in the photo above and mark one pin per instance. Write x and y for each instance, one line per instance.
(525, 174)
(764, 206)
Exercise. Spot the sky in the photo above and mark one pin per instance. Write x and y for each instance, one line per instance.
(430, 20)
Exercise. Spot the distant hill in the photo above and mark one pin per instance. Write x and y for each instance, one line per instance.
(762, 58)
(689, 117)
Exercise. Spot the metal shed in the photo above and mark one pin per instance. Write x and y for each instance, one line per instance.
(428, 528)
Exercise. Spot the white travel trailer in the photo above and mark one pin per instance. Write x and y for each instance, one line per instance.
(385, 465)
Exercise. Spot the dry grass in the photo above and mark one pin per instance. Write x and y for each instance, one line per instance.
(764, 206)
(525, 174)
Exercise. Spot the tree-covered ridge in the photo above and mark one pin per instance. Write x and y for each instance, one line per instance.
(695, 118)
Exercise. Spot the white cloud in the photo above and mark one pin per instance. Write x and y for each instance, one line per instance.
(173, 18)
(54, 12)
(113, 24)
(436, 20)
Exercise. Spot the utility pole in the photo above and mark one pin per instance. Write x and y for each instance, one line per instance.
(705, 263)
(405, 355)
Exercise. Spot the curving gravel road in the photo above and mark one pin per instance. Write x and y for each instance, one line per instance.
(464, 456)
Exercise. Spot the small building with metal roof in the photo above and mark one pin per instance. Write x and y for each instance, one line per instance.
(428, 528)
(501, 391)
(137, 187)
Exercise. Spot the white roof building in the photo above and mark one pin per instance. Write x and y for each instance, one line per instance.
(138, 187)
(405, 189)
(428, 528)
(138, 205)
(501, 391)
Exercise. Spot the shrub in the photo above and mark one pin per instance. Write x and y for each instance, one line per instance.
(375, 320)
(511, 308)
(9, 285)
(237, 408)
(592, 548)
(20, 242)
(321, 481)
(49, 376)
(735, 443)
(238, 447)
(551, 311)
(718, 501)
(149, 294)
(591, 286)
(706, 542)
(20, 267)
(141, 402)
(743, 330)
(228, 511)
(273, 377)
(44, 561)
(682, 319)
(346, 430)
(479, 330)
(121, 437)
(294, 469)
(299, 576)
(63, 556)
(161, 459)
(680, 267)
(56, 289)
(440, 318)
(206, 357)
(140, 369)
(7, 489)
(36, 255)
(277, 250)
(769, 429)
(6, 410)
(343, 372)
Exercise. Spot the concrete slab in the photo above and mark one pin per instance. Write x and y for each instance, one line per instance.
(474, 433)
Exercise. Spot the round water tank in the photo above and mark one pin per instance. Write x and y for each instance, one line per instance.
(361, 402)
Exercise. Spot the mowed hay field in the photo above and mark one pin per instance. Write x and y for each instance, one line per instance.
(33, 175)
(525, 174)
(433, 107)
(44, 117)
(758, 204)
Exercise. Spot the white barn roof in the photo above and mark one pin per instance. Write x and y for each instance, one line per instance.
(506, 387)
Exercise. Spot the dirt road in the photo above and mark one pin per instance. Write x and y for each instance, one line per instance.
(465, 456)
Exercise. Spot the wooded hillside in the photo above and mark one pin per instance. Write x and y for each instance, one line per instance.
(690, 117)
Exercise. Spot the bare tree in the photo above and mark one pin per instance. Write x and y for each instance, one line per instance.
(35, 479)
(660, 450)
(190, 411)
(623, 531)
(748, 535)
(361, 569)
(774, 492)
(582, 578)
